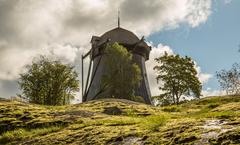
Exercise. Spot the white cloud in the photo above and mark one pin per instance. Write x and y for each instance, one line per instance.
(67, 53)
(40, 23)
(28, 27)
(227, 1)
(209, 92)
(16, 59)
(158, 51)
(13, 62)
(203, 77)
(198, 11)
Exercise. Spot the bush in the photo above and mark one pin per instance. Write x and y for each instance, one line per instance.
(49, 82)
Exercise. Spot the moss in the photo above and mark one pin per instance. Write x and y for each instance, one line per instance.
(213, 105)
(20, 134)
(154, 122)
(185, 139)
(219, 115)
(171, 109)
(12, 135)
(230, 137)
(113, 120)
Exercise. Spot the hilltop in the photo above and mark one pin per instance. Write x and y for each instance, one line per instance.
(214, 120)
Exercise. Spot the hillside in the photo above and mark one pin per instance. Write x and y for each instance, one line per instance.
(214, 120)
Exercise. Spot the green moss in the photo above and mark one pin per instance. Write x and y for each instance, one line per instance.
(171, 109)
(13, 135)
(20, 134)
(88, 123)
(154, 122)
(185, 138)
(213, 105)
(230, 137)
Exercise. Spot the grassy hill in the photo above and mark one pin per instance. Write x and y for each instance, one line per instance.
(214, 120)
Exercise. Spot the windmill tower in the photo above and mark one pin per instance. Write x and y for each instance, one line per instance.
(140, 52)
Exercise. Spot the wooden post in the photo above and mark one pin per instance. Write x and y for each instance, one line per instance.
(82, 80)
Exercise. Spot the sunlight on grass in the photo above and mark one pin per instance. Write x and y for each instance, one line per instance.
(89, 123)
(20, 134)
(154, 122)
(172, 109)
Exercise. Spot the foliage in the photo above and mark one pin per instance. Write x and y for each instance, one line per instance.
(230, 80)
(49, 82)
(179, 78)
(122, 76)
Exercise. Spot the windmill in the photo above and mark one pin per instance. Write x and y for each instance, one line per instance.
(140, 52)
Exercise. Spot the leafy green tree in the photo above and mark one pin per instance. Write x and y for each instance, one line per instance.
(49, 82)
(230, 80)
(179, 78)
(122, 76)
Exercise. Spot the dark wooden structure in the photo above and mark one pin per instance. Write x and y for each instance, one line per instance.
(136, 46)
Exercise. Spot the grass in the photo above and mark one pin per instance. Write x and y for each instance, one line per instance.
(21, 134)
(173, 108)
(153, 123)
(111, 120)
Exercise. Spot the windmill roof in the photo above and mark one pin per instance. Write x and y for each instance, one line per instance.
(119, 35)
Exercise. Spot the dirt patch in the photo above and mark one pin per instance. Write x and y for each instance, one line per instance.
(112, 111)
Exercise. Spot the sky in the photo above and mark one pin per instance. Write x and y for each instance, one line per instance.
(206, 30)
(213, 45)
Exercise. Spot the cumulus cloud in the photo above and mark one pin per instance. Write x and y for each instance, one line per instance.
(66, 53)
(203, 77)
(198, 12)
(158, 51)
(14, 60)
(64, 28)
(147, 17)
(210, 92)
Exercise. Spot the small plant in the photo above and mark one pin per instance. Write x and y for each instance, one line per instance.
(171, 109)
(13, 135)
(132, 112)
(212, 106)
(154, 122)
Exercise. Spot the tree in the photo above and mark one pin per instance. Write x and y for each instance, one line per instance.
(230, 80)
(49, 82)
(179, 78)
(122, 76)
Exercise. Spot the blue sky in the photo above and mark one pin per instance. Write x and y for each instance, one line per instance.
(213, 45)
